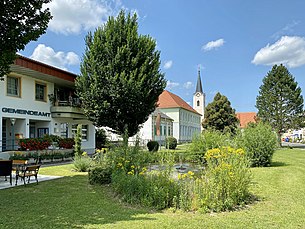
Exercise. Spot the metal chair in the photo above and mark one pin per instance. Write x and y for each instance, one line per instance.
(6, 169)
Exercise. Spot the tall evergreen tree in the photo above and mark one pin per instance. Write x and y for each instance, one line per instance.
(280, 102)
(120, 80)
(219, 115)
(21, 21)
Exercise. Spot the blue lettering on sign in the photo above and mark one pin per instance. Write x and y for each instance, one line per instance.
(28, 112)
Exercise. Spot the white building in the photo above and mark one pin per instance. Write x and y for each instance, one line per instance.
(37, 99)
(186, 120)
(150, 130)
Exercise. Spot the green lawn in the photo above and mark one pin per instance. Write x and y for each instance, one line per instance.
(70, 202)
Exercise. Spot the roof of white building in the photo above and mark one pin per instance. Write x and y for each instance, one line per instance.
(170, 100)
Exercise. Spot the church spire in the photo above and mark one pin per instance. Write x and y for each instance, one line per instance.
(199, 85)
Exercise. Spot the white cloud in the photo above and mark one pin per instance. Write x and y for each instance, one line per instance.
(171, 85)
(213, 45)
(59, 59)
(289, 28)
(288, 50)
(188, 85)
(75, 16)
(168, 64)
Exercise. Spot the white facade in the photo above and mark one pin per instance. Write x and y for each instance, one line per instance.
(27, 112)
(199, 104)
(186, 123)
(148, 131)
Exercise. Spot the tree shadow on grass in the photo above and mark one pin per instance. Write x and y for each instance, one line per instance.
(278, 164)
(68, 202)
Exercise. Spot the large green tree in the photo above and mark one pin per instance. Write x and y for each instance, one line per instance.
(120, 79)
(21, 21)
(280, 102)
(219, 115)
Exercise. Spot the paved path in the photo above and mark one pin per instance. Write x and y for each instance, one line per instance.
(6, 184)
(293, 145)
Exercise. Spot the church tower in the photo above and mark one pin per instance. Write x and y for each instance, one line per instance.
(199, 98)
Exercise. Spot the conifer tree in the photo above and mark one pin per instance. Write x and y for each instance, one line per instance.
(120, 80)
(219, 115)
(21, 21)
(280, 102)
(78, 141)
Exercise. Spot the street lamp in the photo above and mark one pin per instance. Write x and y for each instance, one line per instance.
(13, 121)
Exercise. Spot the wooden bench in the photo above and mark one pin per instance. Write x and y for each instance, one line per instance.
(28, 172)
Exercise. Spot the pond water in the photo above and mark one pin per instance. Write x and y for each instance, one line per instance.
(181, 168)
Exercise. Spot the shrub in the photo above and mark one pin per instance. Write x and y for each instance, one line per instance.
(34, 144)
(171, 143)
(100, 175)
(82, 163)
(153, 146)
(66, 143)
(207, 140)
(52, 138)
(226, 180)
(259, 142)
(155, 190)
(100, 138)
(20, 156)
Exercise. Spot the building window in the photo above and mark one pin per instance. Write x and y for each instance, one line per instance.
(13, 86)
(84, 131)
(198, 103)
(64, 130)
(40, 92)
(42, 132)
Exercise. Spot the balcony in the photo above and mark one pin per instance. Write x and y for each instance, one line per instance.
(69, 108)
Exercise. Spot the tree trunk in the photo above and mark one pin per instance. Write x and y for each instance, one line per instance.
(279, 134)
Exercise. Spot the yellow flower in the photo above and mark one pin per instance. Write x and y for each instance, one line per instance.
(132, 167)
(184, 176)
(231, 174)
(191, 173)
(120, 164)
(130, 172)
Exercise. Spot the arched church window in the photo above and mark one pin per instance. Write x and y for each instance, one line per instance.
(198, 103)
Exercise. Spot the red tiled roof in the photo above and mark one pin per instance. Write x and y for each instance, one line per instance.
(245, 118)
(170, 100)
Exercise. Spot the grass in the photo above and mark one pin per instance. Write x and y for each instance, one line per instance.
(70, 202)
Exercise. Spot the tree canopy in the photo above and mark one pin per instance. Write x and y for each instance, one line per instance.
(21, 22)
(120, 80)
(219, 115)
(280, 102)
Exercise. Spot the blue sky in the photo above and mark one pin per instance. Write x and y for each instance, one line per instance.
(235, 42)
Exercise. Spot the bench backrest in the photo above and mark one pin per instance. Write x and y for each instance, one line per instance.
(20, 162)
